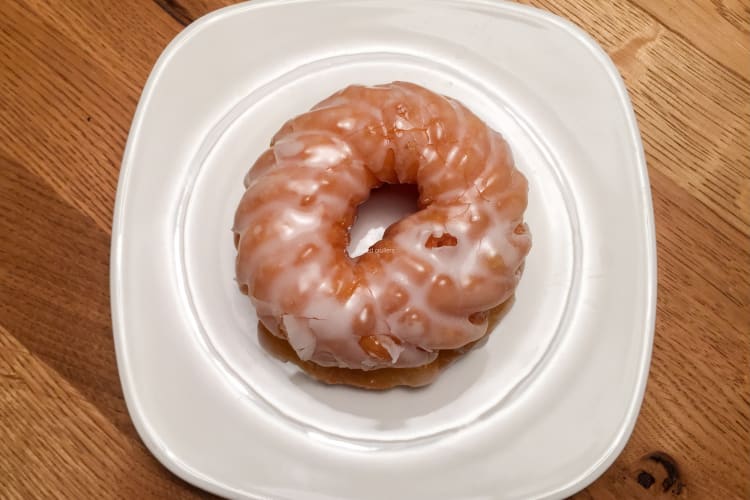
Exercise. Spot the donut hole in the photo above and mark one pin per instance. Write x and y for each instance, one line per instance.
(386, 205)
(444, 240)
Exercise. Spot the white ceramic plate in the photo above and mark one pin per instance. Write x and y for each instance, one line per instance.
(539, 411)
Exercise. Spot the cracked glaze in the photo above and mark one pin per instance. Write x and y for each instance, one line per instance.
(428, 283)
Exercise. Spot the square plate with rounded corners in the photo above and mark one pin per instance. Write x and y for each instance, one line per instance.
(539, 411)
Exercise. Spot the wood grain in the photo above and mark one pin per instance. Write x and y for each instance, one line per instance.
(70, 77)
(718, 28)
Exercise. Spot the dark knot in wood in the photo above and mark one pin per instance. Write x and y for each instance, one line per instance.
(659, 468)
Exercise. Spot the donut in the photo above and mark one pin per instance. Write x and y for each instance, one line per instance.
(429, 284)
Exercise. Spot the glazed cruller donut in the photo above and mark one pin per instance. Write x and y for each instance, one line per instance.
(430, 282)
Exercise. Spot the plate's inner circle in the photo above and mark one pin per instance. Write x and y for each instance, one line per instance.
(226, 324)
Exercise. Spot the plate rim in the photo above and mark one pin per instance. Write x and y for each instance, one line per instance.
(137, 415)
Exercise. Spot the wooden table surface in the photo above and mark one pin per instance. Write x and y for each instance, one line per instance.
(71, 75)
